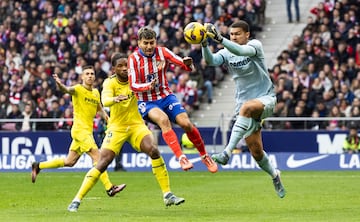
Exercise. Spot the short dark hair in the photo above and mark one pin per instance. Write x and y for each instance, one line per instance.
(353, 125)
(241, 24)
(116, 56)
(87, 67)
(146, 33)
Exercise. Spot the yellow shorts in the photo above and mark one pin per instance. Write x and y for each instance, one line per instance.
(82, 142)
(114, 140)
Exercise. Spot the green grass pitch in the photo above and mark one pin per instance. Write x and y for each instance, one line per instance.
(224, 196)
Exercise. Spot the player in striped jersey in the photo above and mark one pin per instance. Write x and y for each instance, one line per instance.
(156, 102)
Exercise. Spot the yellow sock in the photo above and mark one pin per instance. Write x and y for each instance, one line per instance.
(55, 163)
(104, 178)
(161, 174)
(89, 181)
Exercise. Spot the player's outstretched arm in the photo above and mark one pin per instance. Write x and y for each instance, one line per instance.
(61, 86)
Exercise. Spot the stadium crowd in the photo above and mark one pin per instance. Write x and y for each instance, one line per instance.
(317, 75)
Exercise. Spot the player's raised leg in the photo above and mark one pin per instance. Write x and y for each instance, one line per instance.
(254, 142)
(92, 176)
(195, 137)
(69, 161)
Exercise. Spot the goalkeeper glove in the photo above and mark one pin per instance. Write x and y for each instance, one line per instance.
(213, 33)
(204, 43)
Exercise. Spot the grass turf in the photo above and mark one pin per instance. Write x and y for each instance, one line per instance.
(224, 196)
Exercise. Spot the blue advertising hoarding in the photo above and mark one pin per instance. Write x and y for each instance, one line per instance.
(50, 142)
(243, 162)
(320, 150)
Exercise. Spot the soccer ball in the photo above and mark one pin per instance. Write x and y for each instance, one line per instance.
(194, 33)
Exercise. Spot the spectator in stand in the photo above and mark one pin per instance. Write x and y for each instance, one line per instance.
(195, 53)
(14, 113)
(65, 123)
(46, 54)
(298, 111)
(289, 10)
(335, 124)
(197, 78)
(348, 94)
(344, 107)
(60, 22)
(355, 111)
(4, 104)
(208, 74)
(187, 93)
(55, 110)
(281, 110)
(44, 126)
(27, 115)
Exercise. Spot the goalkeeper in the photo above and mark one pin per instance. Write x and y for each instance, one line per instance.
(255, 97)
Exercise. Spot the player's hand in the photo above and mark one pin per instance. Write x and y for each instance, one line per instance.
(188, 61)
(153, 84)
(56, 78)
(213, 33)
(120, 98)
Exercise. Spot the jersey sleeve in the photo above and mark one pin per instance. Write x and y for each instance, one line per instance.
(175, 59)
(213, 59)
(107, 94)
(76, 89)
(250, 49)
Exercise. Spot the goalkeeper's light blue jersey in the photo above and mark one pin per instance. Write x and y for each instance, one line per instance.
(247, 67)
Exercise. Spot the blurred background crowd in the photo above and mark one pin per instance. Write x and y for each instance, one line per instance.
(317, 75)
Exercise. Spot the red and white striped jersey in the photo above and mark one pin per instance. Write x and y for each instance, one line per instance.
(143, 69)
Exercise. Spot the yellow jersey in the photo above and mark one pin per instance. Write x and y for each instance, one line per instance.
(85, 103)
(125, 113)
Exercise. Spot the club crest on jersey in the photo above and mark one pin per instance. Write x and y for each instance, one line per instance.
(151, 77)
(160, 65)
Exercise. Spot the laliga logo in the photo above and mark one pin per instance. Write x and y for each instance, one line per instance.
(22, 145)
